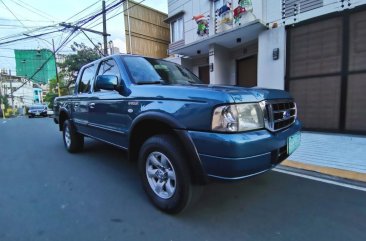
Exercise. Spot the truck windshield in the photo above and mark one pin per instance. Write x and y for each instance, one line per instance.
(156, 71)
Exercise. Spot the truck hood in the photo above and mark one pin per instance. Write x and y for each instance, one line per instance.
(242, 94)
(221, 93)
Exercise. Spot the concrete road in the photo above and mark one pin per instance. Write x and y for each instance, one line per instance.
(49, 194)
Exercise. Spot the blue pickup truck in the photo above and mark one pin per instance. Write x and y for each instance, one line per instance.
(181, 132)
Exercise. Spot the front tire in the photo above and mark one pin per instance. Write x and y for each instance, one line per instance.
(165, 174)
(74, 142)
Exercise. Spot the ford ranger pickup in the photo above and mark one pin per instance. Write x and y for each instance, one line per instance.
(181, 132)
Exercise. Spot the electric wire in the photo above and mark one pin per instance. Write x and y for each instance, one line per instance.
(44, 13)
(139, 3)
(23, 6)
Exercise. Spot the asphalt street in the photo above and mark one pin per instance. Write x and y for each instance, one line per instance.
(48, 194)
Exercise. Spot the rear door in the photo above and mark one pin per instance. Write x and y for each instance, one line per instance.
(108, 114)
(82, 98)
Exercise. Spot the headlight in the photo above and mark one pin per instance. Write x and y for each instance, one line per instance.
(240, 117)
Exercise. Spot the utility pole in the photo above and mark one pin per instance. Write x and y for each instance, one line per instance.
(104, 29)
(11, 90)
(57, 79)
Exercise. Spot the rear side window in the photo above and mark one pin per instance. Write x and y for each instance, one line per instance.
(86, 80)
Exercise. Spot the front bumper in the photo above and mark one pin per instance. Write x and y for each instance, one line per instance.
(240, 155)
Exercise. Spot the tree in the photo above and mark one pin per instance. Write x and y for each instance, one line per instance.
(73, 62)
(53, 91)
(4, 100)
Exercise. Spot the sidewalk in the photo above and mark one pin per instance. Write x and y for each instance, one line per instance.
(333, 154)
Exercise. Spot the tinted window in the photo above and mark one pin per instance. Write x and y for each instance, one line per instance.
(86, 80)
(146, 70)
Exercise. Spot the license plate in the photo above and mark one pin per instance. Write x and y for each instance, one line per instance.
(293, 142)
(37, 113)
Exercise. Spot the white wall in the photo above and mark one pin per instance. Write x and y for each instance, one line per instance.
(23, 96)
(271, 73)
(223, 66)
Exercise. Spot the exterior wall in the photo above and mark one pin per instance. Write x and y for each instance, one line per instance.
(273, 10)
(190, 8)
(23, 96)
(150, 36)
(271, 73)
(223, 65)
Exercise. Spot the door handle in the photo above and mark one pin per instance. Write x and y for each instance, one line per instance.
(76, 105)
(91, 105)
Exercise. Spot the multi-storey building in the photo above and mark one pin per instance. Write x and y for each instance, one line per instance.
(316, 49)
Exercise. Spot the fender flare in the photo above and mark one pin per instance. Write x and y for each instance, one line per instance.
(199, 175)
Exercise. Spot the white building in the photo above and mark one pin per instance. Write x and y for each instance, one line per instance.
(315, 49)
(22, 91)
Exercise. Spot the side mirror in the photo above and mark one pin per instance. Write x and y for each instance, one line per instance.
(107, 82)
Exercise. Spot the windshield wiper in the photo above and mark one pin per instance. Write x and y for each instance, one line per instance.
(150, 82)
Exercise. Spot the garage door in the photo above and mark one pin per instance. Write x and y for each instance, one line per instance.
(246, 70)
(327, 72)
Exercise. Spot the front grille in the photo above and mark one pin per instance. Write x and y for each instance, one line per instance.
(281, 114)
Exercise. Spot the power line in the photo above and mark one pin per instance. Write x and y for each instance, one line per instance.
(9, 57)
(82, 11)
(12, 12)
(26, 20)
(45, 14)
(28, 37)
(139, 3)
(81, 21)
(100, 52)
(23, 6)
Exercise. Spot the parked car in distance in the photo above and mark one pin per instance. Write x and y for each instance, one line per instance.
(181, 132)
(37, 110)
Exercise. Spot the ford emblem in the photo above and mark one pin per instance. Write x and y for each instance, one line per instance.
(286, 114)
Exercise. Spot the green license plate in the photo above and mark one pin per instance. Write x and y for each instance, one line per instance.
(293, 142)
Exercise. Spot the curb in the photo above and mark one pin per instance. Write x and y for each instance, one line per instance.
(356, 176)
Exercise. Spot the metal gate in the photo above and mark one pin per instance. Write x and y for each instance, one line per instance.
(326, 72)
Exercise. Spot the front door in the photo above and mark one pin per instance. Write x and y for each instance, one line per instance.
(108, 114)
(204, 74)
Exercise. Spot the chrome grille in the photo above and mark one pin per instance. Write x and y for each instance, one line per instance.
(280, 114)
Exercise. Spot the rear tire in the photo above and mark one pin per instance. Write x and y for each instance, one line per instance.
(165, 175)
(74, 142)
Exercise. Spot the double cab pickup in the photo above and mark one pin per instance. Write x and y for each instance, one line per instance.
(181, 132)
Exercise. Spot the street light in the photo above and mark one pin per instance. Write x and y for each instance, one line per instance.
(54, 55)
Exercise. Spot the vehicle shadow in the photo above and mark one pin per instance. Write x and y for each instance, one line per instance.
(218, 198)
(271, 206)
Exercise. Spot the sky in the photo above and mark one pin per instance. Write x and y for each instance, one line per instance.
(38, 13)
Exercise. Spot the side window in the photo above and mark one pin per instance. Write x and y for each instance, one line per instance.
(86, 80)
(108, 67)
